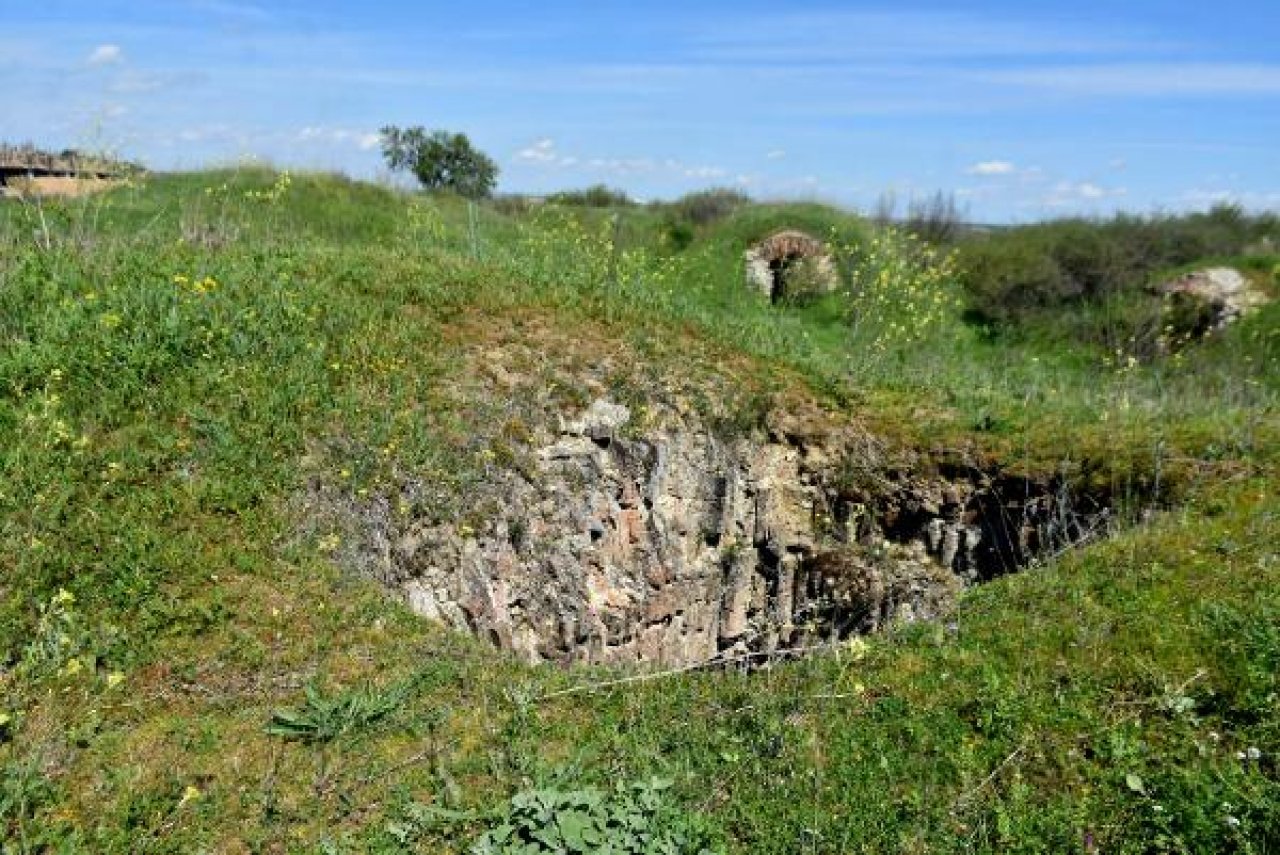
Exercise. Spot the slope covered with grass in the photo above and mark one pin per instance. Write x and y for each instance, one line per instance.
(187, 666)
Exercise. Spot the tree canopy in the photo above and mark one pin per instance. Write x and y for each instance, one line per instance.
(441, 160)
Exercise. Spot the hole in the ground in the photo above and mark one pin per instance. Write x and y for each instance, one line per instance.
(701, 551)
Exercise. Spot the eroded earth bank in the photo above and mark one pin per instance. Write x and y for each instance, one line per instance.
(652, 538)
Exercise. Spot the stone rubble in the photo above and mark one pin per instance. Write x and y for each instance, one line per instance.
(1223, 293)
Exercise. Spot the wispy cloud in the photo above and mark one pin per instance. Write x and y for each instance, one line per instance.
(217, 132)
(105, 55)
(622, 166)
(544, 153)
(1207, 198)
(992, 167)
(227, 9)
(1072, 194)
(907, 37)
(1152, 79)
(702, 93)
(132, 82)
(363, 140)
(702, 173)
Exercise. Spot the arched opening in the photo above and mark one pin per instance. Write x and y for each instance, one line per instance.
(790, 265)
(778, 269)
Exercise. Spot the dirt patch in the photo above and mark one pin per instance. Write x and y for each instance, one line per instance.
(61, 186)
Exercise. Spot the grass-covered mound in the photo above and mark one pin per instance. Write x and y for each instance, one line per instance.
(186, 667)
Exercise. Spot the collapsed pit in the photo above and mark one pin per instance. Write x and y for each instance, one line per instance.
(680, 547)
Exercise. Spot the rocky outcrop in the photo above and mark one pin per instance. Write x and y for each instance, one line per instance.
(1209, 300)
(674, 546)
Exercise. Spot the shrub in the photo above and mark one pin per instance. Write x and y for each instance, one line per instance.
(1093, 261)
(677, 234)
(706, 206)
(901, 290)
(1006, 280)
(685, 216)
(935, 219)
(596, 196)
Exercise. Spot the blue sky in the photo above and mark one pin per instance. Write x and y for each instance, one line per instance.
(1024, 110)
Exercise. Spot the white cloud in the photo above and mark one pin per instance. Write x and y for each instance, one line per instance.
(545, 153)
(106, 55)
(213, 133)
(704, 173)
(626, 165)
(363, 140)
(1066, 193)
(542, 151)
(131, 82)
(1256, 200)
(776, 154)
(992, 167)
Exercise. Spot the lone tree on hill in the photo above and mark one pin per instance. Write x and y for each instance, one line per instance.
(441, 160)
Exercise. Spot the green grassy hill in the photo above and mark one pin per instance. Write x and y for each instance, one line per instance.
(186, 666)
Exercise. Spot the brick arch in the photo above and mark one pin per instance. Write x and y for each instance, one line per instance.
(769, 260)
(790, 244)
